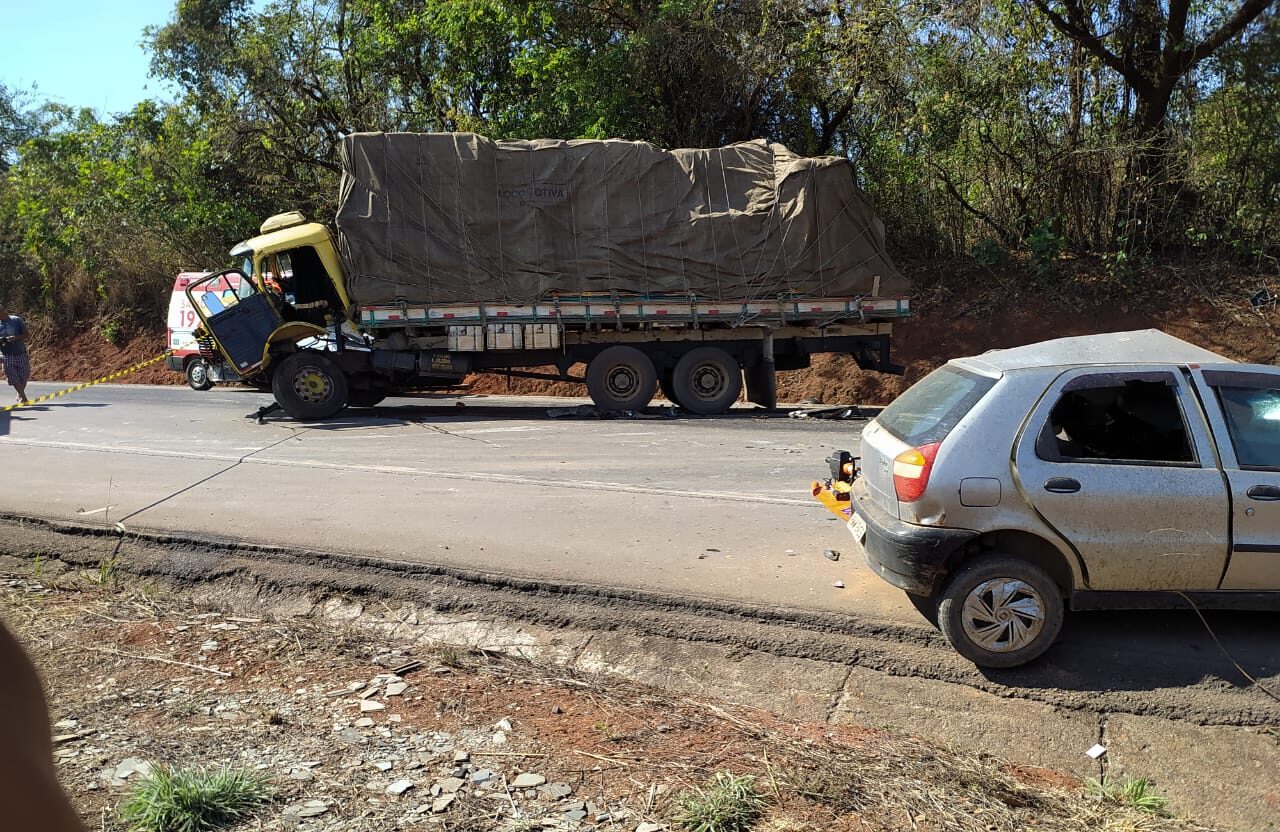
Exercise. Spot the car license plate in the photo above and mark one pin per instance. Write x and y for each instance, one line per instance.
(858, 528)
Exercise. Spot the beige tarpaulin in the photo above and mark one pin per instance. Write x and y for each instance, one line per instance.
(455, 217)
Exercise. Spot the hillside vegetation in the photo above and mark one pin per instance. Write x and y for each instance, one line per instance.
(1015, 138)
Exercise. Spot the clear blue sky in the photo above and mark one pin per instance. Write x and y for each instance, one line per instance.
(84, 53)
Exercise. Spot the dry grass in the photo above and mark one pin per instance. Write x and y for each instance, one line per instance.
(812, 776)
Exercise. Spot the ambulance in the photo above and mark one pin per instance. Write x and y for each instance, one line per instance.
(184, 350)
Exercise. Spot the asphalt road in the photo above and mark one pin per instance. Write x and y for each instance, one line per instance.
(699, 511)
(702, 507)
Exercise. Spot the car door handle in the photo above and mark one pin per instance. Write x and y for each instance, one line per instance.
(1265, 493)
(1062, 485)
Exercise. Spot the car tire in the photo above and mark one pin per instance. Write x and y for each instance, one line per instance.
(197, 373)
(1000, 611)
(621, 378)
(309, 386)
(707, 381)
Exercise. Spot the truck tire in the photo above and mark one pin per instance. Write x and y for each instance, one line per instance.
(707, 381)
(309, 386)
(197, 373)
(1000, 611)
(621, 378)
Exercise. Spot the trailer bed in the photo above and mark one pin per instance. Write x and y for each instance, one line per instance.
(585, 311)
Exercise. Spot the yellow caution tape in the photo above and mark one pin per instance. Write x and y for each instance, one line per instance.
(112, 377)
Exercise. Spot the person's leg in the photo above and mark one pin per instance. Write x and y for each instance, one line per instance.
(10, 373)
(19, 372)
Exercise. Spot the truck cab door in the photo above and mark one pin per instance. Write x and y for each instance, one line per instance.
(1119, 461)
(1244, 410)
(238, 317)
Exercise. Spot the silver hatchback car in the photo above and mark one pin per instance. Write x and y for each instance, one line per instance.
(1127, 470)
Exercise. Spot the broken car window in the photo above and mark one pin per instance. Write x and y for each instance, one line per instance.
(1134, 420)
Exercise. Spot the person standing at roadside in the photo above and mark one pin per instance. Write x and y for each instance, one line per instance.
(13, 347)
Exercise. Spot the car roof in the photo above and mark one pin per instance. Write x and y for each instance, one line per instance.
(1142, 346)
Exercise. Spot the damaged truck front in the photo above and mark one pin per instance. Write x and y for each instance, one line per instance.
(697, 272)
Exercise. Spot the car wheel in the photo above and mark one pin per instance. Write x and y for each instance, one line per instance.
(198, 374)
(707, 381)
(309, 386)
(621, 378)
(1000, 611)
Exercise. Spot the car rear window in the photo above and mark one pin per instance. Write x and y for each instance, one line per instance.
(929, 410)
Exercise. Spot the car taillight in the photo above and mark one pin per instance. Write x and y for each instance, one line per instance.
(911, 470)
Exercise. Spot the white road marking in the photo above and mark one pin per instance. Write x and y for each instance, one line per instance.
(472, 476)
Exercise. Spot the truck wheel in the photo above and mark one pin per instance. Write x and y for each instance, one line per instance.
(198, 374)
(1000, 611)
(309, 386)
(707, 380)
(621, 378)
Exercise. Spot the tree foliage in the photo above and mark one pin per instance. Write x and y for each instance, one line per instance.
(1032, 126)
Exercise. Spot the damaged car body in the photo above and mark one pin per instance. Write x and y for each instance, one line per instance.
(1125, 470)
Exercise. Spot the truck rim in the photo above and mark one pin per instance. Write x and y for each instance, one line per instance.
(1003, 615)
(622, 381)
(312, 386)
(708, 380)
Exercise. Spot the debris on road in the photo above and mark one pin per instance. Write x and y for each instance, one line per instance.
(838, 413)
(831, 554)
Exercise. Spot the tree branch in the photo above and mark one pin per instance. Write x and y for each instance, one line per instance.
(1075, 27)
(1244, 15)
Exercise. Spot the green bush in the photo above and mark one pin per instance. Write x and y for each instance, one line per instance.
(192, 799)
(1046, 247)
(728, 803)
(989, 253)
(1134, 792)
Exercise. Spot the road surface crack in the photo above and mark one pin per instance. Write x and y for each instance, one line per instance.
(203, 480)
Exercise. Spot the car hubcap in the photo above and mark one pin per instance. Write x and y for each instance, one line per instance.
(312, 386)
(1003, 615)
(708, 381)
(197, 373)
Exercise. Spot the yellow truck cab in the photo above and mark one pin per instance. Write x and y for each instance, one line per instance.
(290, 288)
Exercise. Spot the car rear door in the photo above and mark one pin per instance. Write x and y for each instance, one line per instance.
(1119, 461)
(1243, 406)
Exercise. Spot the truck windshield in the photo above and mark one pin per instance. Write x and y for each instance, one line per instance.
(936, 404)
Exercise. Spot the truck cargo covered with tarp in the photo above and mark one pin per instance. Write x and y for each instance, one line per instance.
(454, 217)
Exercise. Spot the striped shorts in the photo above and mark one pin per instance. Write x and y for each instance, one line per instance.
(17, 369)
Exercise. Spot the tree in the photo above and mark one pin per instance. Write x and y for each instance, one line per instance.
(1154, 46)
(1149, 46)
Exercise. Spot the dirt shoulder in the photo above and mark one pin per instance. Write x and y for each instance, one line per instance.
(339, 719)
